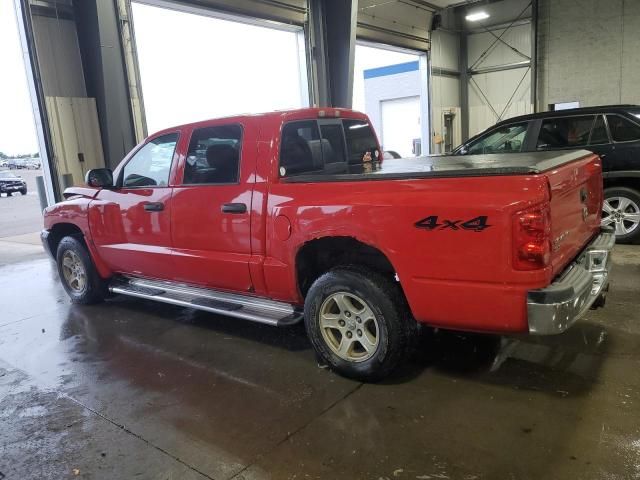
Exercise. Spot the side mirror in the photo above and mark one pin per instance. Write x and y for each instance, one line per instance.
(99, 178)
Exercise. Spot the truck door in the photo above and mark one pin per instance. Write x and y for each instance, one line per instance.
(130, 224)
(210, 217)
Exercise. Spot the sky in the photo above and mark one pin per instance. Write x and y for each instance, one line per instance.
(17, 131)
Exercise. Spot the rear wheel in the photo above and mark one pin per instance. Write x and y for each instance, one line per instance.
(621, 211)
(358, 323)
(78, 274)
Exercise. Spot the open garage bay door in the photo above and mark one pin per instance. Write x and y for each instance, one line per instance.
(401, 125)
(196, 64)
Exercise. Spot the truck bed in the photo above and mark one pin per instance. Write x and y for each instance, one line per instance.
(445, 166)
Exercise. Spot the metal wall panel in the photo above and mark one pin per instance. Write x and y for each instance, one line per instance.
(59, 57)
(286, 11)
(397, 23)
(74, 129)
(518, 37)
(498, 88)
(445, 49)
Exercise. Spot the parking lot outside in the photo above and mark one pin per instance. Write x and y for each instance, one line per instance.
(21, 214)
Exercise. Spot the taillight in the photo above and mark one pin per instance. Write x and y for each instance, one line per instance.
(532, 238)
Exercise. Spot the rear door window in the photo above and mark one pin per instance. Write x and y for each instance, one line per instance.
(623, 130)
(565, 132)
(506, 139)
(599, 135)
(214, 155)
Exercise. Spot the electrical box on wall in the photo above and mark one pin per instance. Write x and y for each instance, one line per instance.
(447, 130)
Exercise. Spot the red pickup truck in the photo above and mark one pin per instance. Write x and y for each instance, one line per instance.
(293, 215)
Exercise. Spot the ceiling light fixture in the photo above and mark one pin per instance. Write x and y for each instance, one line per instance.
(474, 17)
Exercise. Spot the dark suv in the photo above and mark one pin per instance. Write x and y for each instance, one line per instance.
(613, 132)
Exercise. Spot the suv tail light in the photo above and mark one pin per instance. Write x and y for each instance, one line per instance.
(532, 238)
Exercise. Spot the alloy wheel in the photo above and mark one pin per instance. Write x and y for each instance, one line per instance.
(621, 213)
(349, 327)
(74, 271)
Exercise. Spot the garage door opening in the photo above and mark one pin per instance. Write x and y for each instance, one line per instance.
(20, 210)
(390, 85)
(196, 64)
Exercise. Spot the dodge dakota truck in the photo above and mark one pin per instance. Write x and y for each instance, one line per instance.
(295, 216)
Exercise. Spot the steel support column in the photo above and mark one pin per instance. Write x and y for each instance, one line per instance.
(105, 75)
(464, 87)
(331, 50)
(534, 54)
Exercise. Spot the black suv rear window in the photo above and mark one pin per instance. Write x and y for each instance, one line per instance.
(623, 130)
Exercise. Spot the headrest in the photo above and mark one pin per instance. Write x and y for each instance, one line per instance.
(222, 156)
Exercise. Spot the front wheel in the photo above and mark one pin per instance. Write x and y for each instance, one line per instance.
(358, 323)
(23, 191)
(78, 274)
(621, 210)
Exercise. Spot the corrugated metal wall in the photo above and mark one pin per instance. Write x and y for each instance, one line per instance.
(398, 23)
(494, 96)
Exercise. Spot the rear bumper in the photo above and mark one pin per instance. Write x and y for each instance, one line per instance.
(554, 309)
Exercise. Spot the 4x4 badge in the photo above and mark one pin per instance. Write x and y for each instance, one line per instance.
(476, 224)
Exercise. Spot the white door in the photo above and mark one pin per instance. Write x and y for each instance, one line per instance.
(400, 124)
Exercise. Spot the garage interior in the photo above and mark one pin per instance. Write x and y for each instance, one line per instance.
(137, 389)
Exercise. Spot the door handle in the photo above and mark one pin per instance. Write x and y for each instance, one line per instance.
(154, 206)
(234, 208)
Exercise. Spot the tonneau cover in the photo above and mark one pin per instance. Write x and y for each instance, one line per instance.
(458, 166)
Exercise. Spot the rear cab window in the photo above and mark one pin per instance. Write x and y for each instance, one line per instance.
(326, 147)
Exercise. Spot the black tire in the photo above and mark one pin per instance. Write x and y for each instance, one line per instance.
(23, 191)
(634, 197)
(9, 194)
(94, 288)
(395, 331)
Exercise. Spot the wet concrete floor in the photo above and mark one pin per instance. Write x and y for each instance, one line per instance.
(135, 389)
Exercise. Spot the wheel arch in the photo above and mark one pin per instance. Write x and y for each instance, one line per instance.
(60, 230)
(319, 255)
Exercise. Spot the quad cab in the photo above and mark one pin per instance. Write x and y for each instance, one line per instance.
(294, 216)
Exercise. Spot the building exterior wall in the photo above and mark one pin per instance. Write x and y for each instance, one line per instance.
(588, 52)
(389, 83)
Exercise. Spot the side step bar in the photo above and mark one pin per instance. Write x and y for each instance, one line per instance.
(233, 305)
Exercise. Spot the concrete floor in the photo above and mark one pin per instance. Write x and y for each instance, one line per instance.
(133, 389)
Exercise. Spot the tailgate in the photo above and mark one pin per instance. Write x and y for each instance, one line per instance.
(576, 201)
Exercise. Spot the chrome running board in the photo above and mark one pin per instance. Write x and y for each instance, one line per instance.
(231, 304)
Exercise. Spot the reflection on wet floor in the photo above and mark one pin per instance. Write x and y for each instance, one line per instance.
(134, 387)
